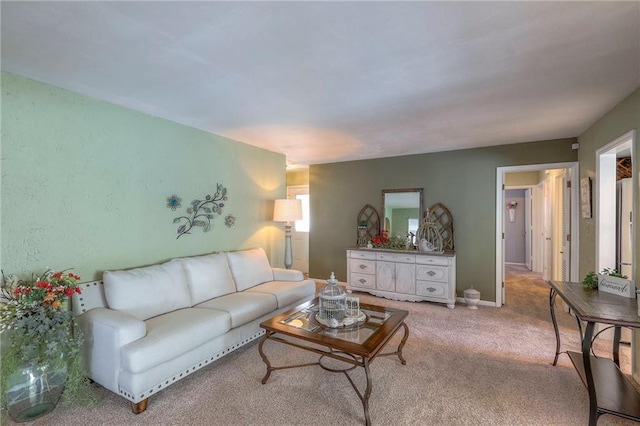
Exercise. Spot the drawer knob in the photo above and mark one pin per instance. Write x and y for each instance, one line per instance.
(362, 280)
(362, 266)
(431, 289)
(431, 273)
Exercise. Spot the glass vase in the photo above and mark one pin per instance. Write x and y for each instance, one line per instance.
(33, 391)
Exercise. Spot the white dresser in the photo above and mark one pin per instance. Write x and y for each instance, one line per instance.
(398, 275)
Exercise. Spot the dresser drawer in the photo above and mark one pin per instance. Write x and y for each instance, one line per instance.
(433, 260)
(358, 266)
(396, 257)
(355, 254)
(362, 281)
(432, 289)
(432, 273)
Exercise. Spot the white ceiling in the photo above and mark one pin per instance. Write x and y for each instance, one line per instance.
(335, 81)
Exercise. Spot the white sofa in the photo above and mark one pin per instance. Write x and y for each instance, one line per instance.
(147, 328)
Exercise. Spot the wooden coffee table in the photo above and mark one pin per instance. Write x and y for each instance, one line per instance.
(357, 345)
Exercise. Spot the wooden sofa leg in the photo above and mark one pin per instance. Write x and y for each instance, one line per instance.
(140, 406)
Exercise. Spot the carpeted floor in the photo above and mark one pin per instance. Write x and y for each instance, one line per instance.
(464, 367)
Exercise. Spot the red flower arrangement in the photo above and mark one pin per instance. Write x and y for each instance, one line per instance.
(42, 333)
(381, 239)
(49, 290)
(384, 241)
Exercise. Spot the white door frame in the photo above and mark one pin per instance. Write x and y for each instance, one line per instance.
(500, 206)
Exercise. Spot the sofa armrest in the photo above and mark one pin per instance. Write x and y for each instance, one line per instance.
(281, 274)
(106, 331)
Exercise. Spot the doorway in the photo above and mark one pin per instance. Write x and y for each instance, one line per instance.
(300, 230)
(615, 234)
(610, 229)
(517, 228)
(554, 235)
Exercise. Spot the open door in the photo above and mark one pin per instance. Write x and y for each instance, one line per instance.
(547, 246)
(527, 227)
(566, 227)
(502, 250)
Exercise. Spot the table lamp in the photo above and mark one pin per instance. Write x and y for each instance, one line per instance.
(287, 211)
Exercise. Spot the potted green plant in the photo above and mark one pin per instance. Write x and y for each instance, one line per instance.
(44, 354)
(590, 280)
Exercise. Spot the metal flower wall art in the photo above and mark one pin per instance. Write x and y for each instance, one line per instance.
(173, 202)
(230, 221)
(200, 212)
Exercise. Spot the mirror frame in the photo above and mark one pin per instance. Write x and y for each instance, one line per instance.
(392, 191)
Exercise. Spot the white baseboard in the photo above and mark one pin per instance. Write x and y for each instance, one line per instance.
(460, 300)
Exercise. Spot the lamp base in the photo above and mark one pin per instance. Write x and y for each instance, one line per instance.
(288, 258)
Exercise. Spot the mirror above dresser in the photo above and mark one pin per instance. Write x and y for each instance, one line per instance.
(401, 211)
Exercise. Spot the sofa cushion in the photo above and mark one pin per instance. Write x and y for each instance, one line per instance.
(281, 274)
(243, 307)
(249, 267)
(208, 276)
(287, 292)
(149, 291)
(173, 334)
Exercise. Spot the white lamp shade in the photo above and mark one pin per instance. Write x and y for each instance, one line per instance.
(288, 210)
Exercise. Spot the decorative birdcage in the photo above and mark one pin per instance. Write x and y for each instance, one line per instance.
(333, 302)
(429, 237)
(353, 307)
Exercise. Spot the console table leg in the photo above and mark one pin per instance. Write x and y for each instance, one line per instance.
(586, 359)
(616, 345)
(552, 308)
(579, 327)
(264, 357)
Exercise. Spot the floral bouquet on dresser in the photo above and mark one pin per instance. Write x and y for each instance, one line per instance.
(43, 357)
(384, 241)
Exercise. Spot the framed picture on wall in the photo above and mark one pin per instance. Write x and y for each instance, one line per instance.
(585, 196)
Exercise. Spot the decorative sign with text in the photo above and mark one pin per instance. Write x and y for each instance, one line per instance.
(618, 286)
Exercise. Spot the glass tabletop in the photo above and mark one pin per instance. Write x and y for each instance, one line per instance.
(369, 320)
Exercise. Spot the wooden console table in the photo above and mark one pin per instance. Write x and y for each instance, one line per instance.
(610, 391)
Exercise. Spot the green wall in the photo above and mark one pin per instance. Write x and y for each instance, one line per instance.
(464, 181)
(85, 183)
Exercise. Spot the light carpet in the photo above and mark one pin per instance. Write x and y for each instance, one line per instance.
(490, 366)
